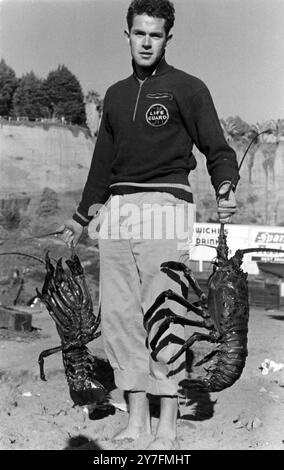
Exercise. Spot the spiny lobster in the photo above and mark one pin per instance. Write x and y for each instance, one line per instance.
(69, 303)
(68, 300)
(224, 312)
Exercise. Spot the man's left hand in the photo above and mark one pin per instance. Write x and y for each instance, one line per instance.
(227, 205)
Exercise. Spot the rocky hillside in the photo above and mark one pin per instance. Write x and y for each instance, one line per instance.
(38, 156)
(34, 157)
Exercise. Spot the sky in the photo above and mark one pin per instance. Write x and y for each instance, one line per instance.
(235, 46)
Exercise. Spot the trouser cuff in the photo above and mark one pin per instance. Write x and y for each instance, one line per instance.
(167, 387)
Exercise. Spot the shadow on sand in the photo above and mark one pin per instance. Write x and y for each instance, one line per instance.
(196, 404)
(276, 317)
(81, 442)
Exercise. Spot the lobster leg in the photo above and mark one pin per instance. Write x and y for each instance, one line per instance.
(55, 315)
(176, 266)
(44, 354)
(193, 338)
(173, 318)
(170, 295)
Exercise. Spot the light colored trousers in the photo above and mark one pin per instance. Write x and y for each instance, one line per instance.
(131, 280)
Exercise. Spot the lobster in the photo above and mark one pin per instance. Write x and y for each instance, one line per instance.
(68, 301)
(224, 312)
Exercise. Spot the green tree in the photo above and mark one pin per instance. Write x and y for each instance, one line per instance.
(29, 99)
(8, 85)
(65, 96)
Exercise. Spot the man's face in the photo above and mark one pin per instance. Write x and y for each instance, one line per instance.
(147, 40)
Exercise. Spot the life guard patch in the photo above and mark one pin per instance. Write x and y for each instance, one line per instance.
(157, 115)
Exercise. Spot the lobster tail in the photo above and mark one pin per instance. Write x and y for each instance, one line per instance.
(84, 389)
(226, 367)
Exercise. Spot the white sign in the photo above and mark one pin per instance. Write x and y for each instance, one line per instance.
(205, 241)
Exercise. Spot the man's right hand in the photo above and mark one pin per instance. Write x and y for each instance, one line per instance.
(72, 232)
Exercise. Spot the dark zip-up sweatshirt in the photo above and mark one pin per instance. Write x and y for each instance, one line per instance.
(146, 137)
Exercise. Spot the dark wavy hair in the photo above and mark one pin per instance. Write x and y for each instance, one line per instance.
(156, 8)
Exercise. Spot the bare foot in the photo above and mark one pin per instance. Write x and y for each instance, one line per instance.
(163, 443)
(132, 433)
(139, 417)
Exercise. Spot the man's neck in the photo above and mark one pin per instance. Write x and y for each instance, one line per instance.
(144, 72)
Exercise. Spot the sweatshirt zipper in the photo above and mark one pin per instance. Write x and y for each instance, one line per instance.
(137, 99)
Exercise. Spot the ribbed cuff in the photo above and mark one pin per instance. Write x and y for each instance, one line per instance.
(224, 182)
(81, 219)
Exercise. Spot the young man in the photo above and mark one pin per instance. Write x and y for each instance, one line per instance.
(142, 160)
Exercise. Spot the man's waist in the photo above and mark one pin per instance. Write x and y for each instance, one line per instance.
(181, 191)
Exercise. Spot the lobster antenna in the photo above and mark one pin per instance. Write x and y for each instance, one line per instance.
(233, 183)
(44, 235)
(40, 260)
(267, 131)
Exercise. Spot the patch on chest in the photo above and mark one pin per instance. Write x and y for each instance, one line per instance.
(157, 115)
(160, 96)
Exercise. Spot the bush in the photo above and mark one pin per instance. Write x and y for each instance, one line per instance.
(10, 216)
(48, 204)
